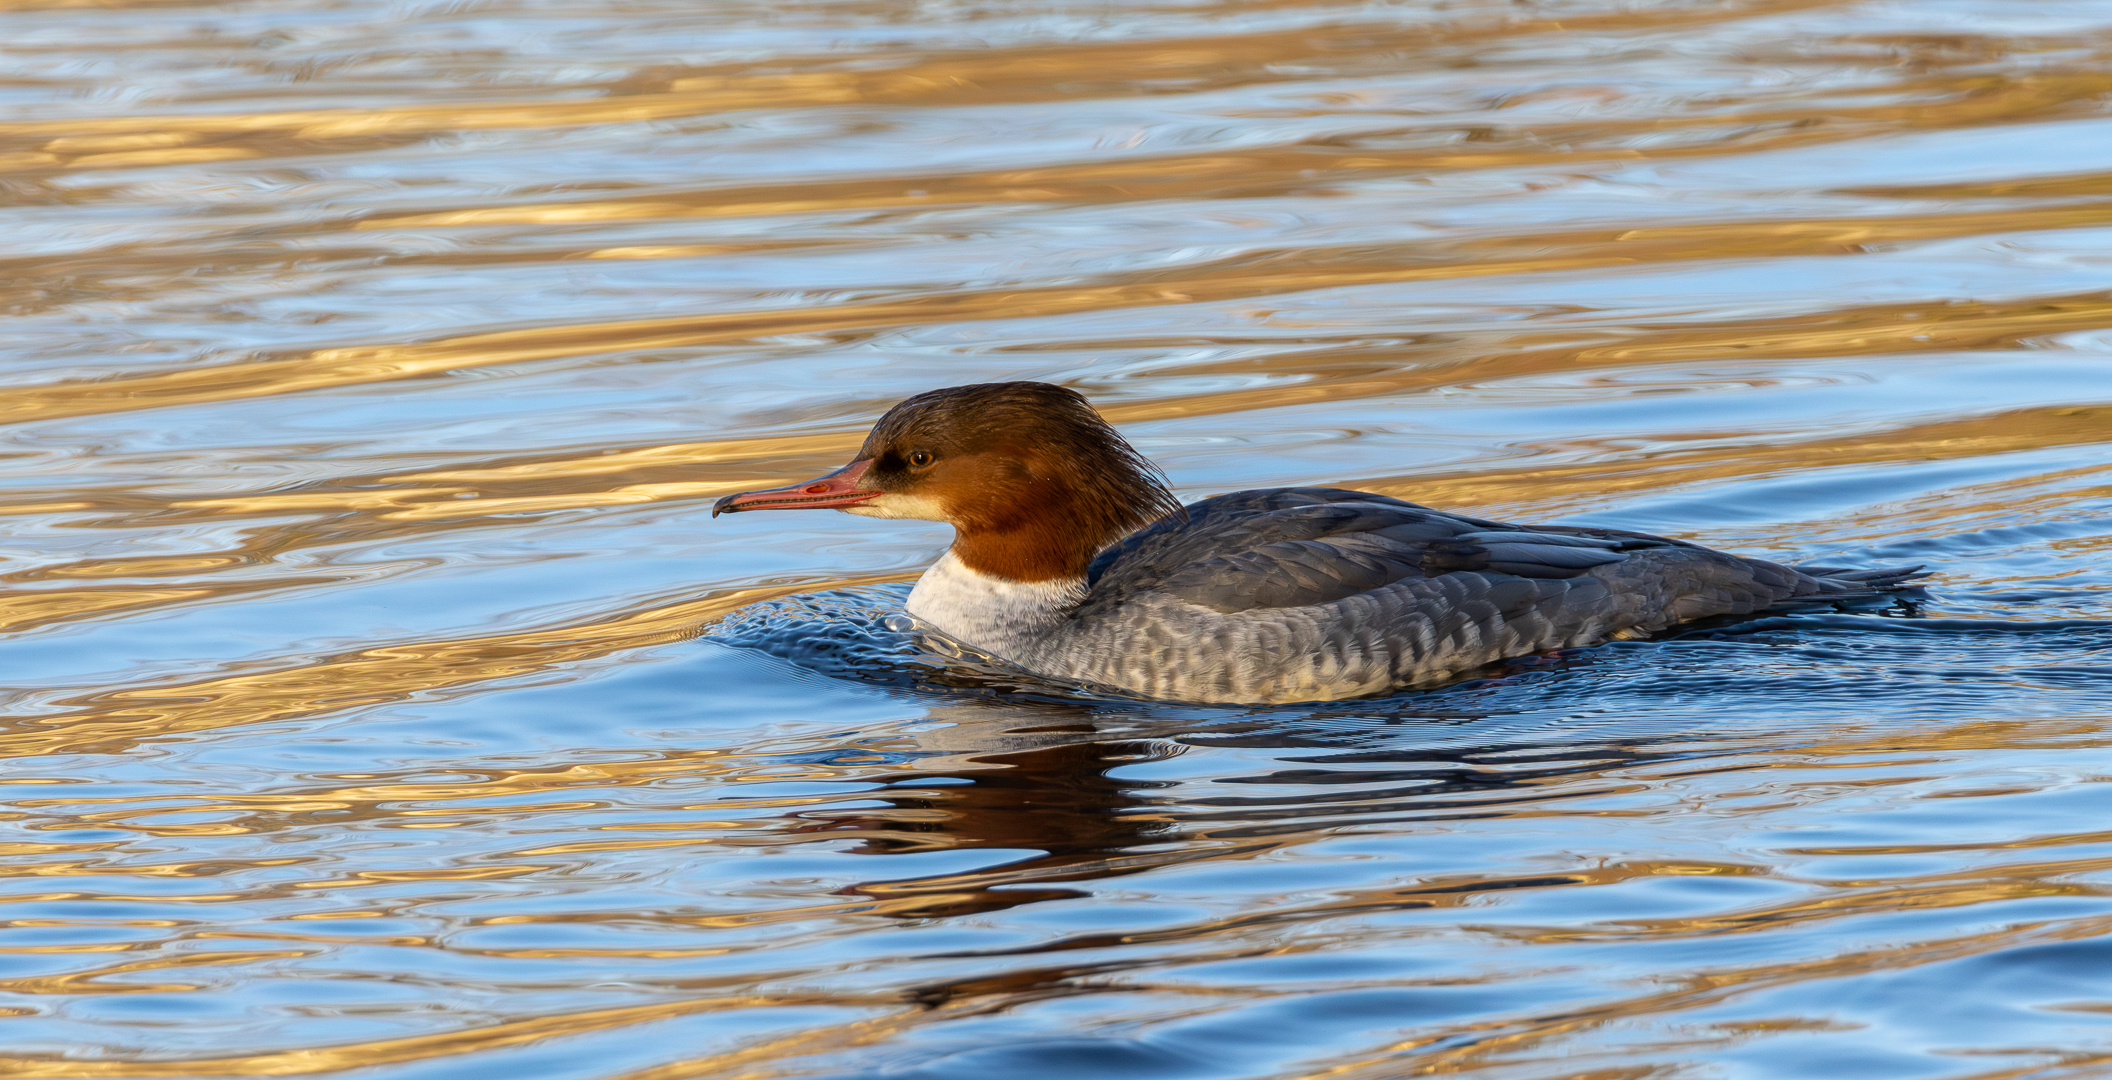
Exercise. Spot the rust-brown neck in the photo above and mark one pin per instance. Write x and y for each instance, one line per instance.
(1030, 552)
(1036, 524)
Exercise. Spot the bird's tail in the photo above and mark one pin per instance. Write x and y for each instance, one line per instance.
(1847, 581)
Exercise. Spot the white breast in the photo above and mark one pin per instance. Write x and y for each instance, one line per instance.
(994, 614)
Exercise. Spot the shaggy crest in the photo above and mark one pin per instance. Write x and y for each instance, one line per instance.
(1089, 487)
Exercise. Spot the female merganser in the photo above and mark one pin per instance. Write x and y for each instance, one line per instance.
(1072, 560)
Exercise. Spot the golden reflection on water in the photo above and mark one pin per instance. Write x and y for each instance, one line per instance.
(374, 370)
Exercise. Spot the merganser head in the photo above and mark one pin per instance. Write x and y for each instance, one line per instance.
(1033, 481)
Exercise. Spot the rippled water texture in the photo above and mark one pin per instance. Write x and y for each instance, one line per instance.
(383, 701)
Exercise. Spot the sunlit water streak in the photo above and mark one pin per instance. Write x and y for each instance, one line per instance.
(381, 697)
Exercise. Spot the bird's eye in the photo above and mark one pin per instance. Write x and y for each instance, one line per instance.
(920, 458)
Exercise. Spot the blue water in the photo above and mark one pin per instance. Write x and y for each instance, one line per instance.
(382, 700)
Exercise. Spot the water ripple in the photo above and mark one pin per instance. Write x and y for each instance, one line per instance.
(382, 699)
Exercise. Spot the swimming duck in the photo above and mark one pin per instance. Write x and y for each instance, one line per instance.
(1072, 560)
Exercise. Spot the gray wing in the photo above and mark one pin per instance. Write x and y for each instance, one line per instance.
(1302, 547)
(1298, 547)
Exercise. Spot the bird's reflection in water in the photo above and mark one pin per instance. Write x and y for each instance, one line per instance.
(1048, 781)
(1037, 780)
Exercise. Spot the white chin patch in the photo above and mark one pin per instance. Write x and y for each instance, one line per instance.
(916, 507)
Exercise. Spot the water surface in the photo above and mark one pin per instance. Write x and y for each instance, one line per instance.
(382, 701)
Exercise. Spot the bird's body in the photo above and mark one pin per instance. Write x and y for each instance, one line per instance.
(1264, 596)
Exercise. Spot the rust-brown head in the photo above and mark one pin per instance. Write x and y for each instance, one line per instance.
(1033, 481)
